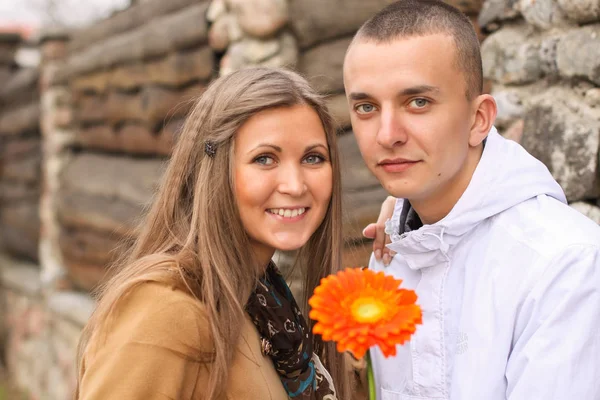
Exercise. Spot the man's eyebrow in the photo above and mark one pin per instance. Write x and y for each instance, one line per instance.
(420, 89)
(359, 96)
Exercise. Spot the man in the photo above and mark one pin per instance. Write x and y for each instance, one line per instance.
(508, 276)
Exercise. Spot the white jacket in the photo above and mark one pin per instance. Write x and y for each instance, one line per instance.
(509, 285)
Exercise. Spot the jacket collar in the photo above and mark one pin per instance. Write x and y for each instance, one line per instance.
(505, 176)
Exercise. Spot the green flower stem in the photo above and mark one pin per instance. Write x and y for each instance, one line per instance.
(371, 378)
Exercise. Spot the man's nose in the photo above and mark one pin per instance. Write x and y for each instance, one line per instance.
(391, 133)
(292, 180)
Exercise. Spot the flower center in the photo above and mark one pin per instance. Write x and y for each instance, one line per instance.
(368, 310)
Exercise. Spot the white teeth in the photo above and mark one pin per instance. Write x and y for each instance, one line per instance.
(287, 213)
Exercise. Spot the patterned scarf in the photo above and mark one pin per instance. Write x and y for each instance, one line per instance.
(285, 338)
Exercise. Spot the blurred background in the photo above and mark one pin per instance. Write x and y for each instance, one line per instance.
(93, 94)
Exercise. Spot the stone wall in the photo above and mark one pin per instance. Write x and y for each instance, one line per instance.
(544, 60)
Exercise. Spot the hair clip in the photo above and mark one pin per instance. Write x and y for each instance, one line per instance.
(210, 148)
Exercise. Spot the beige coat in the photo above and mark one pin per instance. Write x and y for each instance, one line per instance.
(151, 353)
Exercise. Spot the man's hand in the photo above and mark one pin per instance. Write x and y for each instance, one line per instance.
(376, 231)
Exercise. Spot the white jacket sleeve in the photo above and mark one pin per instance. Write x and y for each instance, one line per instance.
(556, 349)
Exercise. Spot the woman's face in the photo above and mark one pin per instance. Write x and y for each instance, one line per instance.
(282, 178)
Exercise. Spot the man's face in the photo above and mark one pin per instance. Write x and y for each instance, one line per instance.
(410, 114)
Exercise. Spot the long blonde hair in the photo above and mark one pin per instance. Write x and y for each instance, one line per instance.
(193, 227)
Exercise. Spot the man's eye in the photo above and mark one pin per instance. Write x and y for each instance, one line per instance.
(264, 160)
(314, 159)
(419, 103)
(365, 108)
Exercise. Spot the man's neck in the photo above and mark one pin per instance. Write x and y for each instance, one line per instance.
(439, 204)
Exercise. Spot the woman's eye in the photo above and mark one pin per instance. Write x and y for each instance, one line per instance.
(365, 108)
(419, 103)
(314, 159)
(264, 160)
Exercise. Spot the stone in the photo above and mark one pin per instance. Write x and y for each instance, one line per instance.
(53, 50)
(216, 10)
(512, 56)
(589, 210)
(72, 306)
(547, 54)
(287, 57)
(592, 97)
(510, 102)
(564, 133)
(581, 11)
(218, 34)
(494, 11)
(279, 52)
(322, 65)
(578, 54)
(260, 18)
(543, 14)
(515, 131)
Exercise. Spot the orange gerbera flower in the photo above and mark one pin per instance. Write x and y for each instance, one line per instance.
(359, 308)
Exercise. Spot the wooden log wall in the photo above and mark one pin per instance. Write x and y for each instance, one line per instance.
(20, 163)
(133, 78)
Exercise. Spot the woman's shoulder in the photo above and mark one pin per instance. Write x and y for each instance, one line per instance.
(158, 314)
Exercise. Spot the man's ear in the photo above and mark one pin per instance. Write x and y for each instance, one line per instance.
(485, 115)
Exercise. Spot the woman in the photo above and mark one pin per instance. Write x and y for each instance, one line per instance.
(197, 310)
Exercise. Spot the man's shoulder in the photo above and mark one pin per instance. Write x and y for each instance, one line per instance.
(548, 226)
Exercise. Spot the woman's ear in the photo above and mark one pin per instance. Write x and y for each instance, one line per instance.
(485, 115)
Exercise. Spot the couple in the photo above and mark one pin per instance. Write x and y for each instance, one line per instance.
(507, 275)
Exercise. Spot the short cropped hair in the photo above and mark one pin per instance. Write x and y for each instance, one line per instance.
(408, 18)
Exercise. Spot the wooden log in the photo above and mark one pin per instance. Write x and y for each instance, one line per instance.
(318, 21)
(20, 120)
(363, 208)
(323, 65)
(357, 255)
(355, 174)
(152, 105)
(90, 109)
(87, 246)
(95, 82)
(21, 87)
(130, 138)
(106, 192)
(186, 28)
(24, 170)
(21, 147)
(16, 192)
(131, 18)
(338, 107)
(175, 70)
(99, 213)
(85, 276)
(19, 229)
